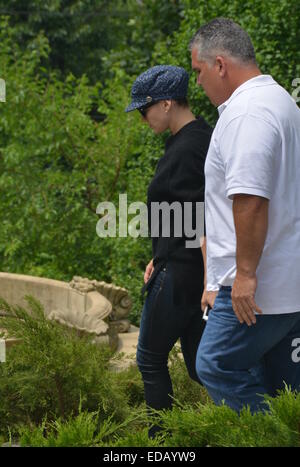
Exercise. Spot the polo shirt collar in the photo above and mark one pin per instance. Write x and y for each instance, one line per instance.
(260, 80)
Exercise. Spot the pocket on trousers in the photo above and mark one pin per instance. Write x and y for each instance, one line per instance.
(158, 282)
(155, 292)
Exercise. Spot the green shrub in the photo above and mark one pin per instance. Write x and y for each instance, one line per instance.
(83, 430)
(75, 431)
(130, 382)
(58, 390)
(137, 439)
(198, 426)
(51, 370)
(286, 407)
(184, 388)
(209, 425)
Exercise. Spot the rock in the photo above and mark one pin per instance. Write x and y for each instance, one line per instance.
(126, 351)
(118, 296)
(83, 322)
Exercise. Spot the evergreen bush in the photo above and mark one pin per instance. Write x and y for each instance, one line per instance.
(185, 426)
(59, 390)
(51, 370)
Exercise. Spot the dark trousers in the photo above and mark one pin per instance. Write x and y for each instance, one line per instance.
(163, 322)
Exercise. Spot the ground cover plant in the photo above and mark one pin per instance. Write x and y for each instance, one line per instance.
(52, 371)
(59, 389)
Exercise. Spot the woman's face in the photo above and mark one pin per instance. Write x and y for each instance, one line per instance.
(157, 116)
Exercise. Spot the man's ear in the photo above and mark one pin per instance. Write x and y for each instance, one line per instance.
(221, 65)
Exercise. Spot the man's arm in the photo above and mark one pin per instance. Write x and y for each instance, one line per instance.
(251, 224)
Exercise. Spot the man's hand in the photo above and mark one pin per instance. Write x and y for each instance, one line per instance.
(208, 298)
(243, 303)
(149, 270)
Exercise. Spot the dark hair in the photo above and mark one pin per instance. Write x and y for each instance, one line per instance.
(182, 101)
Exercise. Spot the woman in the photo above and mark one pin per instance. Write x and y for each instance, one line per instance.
(174, 277)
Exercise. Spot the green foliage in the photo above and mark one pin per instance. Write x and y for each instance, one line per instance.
(52, 170)
(79, 32)
(184, 388)
(84, 430)
(137, 439)
(59, 390)
(78, 431)
(51, 370)
(148, 23)
(184, 426)
(57, 164)
(213, 426)
(286, 408)
(67, 145)
(129, 382)
(94, 35)
(275, 34)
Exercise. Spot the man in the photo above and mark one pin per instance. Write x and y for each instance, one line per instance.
(249, 346)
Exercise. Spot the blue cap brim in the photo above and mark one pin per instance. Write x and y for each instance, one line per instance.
(133, 106)
(136, 104)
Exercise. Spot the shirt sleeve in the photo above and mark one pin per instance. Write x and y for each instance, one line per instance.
(248, 148)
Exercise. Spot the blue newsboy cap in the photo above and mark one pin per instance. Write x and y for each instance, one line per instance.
(158, 83)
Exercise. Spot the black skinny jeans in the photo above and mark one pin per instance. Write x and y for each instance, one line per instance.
(162, 323)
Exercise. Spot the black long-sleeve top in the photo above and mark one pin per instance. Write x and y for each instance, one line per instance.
(179, 177)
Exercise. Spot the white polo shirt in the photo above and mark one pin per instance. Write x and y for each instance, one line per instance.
(255, 149)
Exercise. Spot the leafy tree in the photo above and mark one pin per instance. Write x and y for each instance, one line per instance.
(275, 35)
(51, 168)
(79, 31)
(83, 33)
(67, 145)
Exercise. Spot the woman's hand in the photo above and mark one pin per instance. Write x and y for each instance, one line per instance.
(149, 270)
(208, 298)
